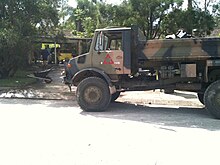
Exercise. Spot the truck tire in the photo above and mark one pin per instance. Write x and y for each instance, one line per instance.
(115, 96)
(93, 94)
(212, 99)
(201, 97)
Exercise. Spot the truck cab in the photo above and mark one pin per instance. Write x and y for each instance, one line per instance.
(109, 53)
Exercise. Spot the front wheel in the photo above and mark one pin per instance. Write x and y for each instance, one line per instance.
(93, 94)
(115, 96)
(212, 99)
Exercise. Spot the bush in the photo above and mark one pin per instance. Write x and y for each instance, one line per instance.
(13, 50)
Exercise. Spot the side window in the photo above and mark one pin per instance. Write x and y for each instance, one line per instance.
(116, 44)
(109, 41)
(101, 42)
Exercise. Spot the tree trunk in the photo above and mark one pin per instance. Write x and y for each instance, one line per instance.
(190, 4)
(190, 9)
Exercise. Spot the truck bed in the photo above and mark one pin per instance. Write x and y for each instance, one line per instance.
(180, 49)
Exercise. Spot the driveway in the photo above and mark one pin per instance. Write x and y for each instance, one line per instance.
(56, 90)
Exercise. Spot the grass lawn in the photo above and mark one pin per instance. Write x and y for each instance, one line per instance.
(20, 79)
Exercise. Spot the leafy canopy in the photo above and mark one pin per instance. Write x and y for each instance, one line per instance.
(156, 18)
(20, 21)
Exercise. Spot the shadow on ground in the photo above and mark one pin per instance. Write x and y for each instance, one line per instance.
(161, 116)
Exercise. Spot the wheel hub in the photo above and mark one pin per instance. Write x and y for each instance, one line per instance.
(92, 94)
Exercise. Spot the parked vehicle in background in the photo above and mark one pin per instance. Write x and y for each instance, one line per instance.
(64, 55)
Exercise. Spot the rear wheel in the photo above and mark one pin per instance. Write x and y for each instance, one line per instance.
(212, 99)
(93, 94)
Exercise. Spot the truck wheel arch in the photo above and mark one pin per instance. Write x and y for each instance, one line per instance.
(214, 75)
(90, 72)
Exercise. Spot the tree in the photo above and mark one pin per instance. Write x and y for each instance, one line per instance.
(116, 15)
(150, 13)
(200, 20)
(216, 11)
(20, 21)
(85, 17)
(205, 5)
(147, 14)
(190, 6)
(155, 18)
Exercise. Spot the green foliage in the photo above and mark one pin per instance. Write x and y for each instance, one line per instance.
(196, 19)
(156, 18)
(20, 21)
(82, 19)
(146, 13)
(216, 11)
(20, 79)
(9, 55)
(116, 15)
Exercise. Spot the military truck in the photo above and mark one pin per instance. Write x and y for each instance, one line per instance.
(121, 59)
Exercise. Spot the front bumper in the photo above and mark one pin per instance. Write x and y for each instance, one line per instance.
(70, 70)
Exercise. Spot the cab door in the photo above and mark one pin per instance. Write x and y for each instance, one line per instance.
(108, 54)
